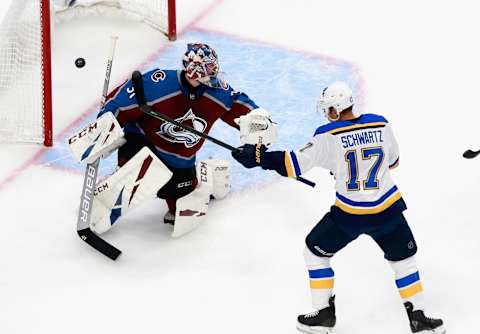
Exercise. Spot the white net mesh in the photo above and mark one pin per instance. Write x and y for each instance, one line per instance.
(21, 83)
(20, 73)
(152, 12)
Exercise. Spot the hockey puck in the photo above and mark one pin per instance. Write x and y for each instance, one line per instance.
(80, 62)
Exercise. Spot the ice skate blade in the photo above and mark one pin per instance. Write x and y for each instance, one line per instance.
(314, 329)
(438, 330)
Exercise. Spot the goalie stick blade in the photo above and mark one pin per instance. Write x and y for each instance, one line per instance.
(469, 154)
(99, 244)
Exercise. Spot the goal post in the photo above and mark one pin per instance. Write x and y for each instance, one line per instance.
(172, 20)
(26, 62)
(46, 65)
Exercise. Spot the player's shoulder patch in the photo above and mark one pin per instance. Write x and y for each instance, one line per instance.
(158, 75)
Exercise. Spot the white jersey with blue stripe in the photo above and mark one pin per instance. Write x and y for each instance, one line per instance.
(359, 153)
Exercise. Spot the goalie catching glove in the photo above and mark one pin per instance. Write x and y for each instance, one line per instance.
(98, 140)
(257, 127)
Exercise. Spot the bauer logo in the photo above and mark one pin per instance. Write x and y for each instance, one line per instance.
(321, 251)
(87, 194)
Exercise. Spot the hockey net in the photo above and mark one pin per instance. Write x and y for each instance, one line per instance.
(25, 61)
(159, 14)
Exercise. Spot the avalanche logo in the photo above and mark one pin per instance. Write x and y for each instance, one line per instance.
(174, 134)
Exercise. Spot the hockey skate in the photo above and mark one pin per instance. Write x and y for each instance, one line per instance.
(169, 218)
(421, 324)
(318, 322)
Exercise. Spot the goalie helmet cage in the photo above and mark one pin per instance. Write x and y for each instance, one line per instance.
(25, 57)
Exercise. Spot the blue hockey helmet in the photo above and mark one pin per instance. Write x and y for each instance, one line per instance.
(200, 62)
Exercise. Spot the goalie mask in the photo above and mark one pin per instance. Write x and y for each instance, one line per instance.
(200, 62)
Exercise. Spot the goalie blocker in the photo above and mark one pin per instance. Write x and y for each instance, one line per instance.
(97, 140)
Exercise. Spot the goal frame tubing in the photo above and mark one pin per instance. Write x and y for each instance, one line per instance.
(46, 31)
(172, 20)
(46, 72)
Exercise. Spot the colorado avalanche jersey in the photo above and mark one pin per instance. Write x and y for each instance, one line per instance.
(169, 94)
(360, 154)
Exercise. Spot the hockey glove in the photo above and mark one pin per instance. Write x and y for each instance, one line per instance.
(257, 127)
(250, 155)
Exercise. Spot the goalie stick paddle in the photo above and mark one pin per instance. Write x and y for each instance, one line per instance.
(137, 81)
(469, 154)
(86, 200)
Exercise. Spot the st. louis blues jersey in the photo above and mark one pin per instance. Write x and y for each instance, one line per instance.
(169, 94)
(359, 153)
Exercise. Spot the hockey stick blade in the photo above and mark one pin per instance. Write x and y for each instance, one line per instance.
(469, 154)
(99, 244)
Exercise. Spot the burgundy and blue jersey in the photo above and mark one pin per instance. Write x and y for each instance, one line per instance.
(168, 93)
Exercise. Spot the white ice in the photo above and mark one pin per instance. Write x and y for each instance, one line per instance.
(243, 271)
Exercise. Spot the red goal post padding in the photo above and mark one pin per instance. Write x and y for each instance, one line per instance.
(46, 72)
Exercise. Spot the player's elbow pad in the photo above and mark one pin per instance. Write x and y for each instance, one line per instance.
(275, 160)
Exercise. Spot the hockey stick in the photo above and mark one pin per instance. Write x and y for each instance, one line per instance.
(86, 203)
(469, 154)
(137, 81)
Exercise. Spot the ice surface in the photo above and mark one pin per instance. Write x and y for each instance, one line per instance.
(242, 271)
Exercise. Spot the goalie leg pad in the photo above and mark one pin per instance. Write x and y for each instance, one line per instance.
(192, 209)
(220, 170)
(134, 183)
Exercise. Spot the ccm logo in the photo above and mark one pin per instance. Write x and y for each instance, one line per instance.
(203, 171)
(100, 189)
(83, 133)
(184, 184)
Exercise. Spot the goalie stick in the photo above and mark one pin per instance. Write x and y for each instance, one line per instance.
(137, 81)
(86, 200)
(469, 154)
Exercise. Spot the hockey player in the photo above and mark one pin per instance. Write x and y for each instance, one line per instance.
(359, 151)
(194, 96)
